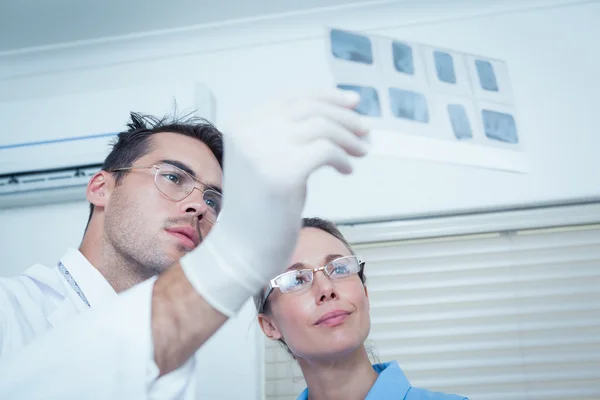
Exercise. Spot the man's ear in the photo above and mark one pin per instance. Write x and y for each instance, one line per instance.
(269, 327)
(99, 188)
(367, 296)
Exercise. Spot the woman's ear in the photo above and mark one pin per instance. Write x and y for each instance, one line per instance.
(99, 188)
(268, 327)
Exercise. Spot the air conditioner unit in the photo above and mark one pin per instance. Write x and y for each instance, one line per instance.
(49, 155)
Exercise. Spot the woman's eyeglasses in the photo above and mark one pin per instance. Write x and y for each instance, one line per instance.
(299, 279)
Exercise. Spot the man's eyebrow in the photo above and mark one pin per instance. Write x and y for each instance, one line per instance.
(180, 165)
(329, 258)
(190, 171)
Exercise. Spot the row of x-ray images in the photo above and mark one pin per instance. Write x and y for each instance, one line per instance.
(421, 90)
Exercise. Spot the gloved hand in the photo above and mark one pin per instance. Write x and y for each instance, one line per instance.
(268, 158)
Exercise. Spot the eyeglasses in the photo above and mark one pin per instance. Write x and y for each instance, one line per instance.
(177, 184)
(299, 279)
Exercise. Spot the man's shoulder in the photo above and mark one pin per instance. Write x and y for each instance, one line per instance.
(16, 288)
(35, 281)
(31, 292)
(424, 394)
(26, 301)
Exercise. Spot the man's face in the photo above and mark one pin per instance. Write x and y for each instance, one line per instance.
(146, 227)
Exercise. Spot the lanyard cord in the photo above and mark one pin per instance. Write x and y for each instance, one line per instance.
(69, 278)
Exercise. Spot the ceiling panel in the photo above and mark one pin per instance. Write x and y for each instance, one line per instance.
(32, 23)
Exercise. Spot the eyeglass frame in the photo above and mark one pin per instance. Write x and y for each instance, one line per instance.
(273, 285)
(196, 181)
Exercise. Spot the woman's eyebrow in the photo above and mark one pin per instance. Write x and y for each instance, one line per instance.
(297, 265)
(329, 258)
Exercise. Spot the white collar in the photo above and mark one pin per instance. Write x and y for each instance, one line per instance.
(94, 286)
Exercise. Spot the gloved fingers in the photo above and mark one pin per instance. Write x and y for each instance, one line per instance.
(318, 127)
(323, 152)
(345, 117)
(338, 97)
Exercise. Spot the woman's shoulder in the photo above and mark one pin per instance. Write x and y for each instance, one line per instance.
(393, 384)
(424, 394)
(392, 381)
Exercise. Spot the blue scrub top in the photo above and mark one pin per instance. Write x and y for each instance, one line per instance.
(393, 385)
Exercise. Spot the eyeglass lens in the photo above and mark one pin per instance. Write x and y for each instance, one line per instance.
(177, 184)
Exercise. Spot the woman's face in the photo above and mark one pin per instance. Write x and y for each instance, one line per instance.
(298, 317)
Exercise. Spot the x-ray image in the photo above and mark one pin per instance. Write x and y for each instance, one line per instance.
(429, 102)
(444, 65)
(487, 77)
(409, 105)
(460, 121)
(351, 47)
(403, 58)
(369, 100)
(499, 126)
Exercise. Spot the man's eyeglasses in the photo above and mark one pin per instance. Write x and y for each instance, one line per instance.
(177, 184)
(299, 279)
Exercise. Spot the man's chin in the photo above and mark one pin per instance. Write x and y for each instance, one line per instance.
(177, 251)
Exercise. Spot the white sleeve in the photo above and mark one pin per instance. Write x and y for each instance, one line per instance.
(106, 353)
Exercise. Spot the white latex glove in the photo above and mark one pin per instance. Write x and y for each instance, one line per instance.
(268, 158)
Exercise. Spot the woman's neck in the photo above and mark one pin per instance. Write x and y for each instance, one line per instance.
(347, 378)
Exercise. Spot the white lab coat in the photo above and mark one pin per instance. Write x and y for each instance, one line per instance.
(53, 346)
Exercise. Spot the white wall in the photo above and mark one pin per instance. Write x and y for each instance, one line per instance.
(552, 55)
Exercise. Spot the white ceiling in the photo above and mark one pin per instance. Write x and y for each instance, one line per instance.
(32, 23)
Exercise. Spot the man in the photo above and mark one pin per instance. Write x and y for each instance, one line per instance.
(64, 331)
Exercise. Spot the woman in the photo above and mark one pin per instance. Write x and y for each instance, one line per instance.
(319, 310)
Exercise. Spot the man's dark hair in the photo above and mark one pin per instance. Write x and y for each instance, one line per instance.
(134, 142)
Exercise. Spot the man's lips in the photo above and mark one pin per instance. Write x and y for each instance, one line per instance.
(186, 234)
(333, 318)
